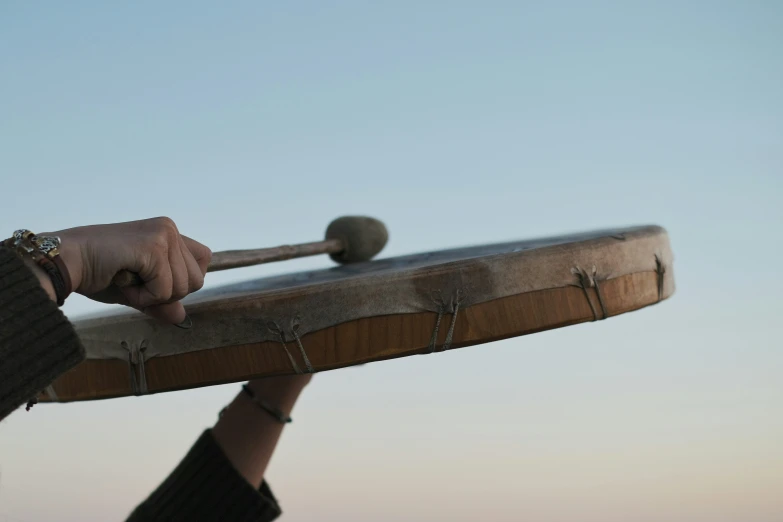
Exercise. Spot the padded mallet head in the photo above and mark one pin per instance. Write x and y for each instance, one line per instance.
(362, 236)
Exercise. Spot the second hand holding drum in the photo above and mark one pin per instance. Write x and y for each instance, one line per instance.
(366, 311)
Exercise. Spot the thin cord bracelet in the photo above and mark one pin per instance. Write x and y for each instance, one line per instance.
(278, 415)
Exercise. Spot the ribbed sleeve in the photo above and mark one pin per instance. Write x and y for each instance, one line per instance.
(205, 486)
(37, 343)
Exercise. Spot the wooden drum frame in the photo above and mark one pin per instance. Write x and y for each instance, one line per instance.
(355, 314)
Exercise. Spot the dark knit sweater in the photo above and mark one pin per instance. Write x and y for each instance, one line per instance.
(37, 344)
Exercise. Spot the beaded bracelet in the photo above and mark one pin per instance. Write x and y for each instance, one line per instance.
(45, 252)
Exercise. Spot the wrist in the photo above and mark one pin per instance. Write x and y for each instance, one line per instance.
(41, 255)
(71, 255)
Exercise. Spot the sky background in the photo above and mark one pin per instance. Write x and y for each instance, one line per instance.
(457, 123)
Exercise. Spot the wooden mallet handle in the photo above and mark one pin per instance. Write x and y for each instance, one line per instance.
(349, 239)
(257, 256)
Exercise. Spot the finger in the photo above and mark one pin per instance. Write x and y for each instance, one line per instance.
(179, 272)
(201, 253)
(195, 275)
(158, 283)
(110, 294)
(173, 313)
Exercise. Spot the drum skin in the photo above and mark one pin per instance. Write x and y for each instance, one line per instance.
(367, 312)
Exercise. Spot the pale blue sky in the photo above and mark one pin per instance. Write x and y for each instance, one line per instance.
(457, 123)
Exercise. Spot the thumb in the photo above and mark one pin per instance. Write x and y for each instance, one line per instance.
(173, 313)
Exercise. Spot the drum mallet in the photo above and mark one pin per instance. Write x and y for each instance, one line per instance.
(349, 239)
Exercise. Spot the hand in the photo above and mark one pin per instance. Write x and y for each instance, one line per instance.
(171, 265)
(281, 388)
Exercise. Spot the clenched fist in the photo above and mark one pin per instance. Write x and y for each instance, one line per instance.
(170, 264)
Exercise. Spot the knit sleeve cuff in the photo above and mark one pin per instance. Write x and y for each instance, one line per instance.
(206, 486)
(37, 343)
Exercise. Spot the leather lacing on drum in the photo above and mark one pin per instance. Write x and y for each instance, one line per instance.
(454, 305)
(587, 280)
(275, 328)
(136, 360)
(660, 270)
(51, 393)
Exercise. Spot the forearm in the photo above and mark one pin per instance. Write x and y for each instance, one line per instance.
(247, 434)
(222, 476)
(37, 343)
